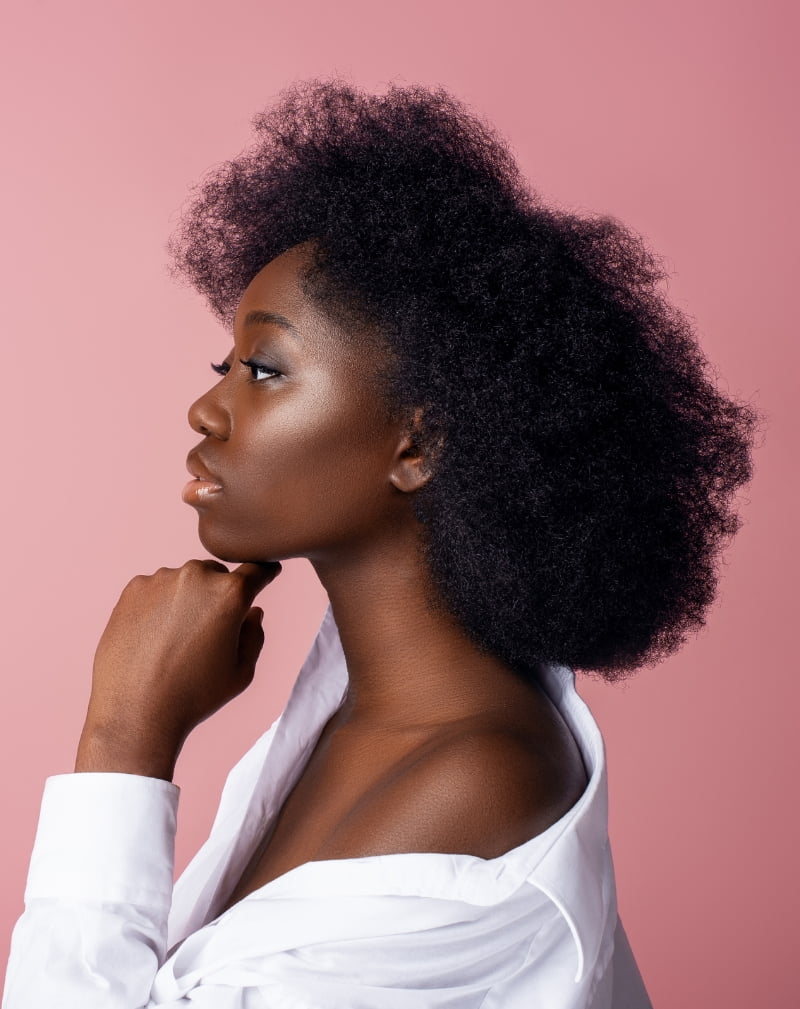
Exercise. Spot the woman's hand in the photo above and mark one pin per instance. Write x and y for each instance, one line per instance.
(179, 645)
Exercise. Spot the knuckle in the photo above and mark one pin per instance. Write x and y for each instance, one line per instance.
(196, 568)
(232, 589)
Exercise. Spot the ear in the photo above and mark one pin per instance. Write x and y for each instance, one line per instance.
(411, 467)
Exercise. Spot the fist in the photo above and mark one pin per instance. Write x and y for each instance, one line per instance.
(179, 645)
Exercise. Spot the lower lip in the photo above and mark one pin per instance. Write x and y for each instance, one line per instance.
(199, 491)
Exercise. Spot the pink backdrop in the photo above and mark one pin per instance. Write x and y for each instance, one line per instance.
(676, 118)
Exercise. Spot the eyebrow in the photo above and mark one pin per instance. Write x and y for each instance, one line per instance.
(259, 317)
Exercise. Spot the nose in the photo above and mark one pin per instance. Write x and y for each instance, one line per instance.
(208, 416)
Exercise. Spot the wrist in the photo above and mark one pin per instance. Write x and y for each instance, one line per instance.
(108, 748)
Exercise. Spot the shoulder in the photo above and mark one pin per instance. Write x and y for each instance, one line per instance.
(473, 790)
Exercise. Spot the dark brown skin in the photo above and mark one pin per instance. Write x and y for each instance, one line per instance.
(437, 746)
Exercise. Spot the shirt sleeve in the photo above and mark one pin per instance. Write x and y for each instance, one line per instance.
(99, 888)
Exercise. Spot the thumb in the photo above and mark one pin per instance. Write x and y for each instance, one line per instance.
(251, 641)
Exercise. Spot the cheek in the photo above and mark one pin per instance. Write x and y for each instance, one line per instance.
(327, 460)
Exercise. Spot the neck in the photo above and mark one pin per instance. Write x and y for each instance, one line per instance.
(408, 663)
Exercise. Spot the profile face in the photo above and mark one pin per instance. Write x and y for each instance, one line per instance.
(297, 443)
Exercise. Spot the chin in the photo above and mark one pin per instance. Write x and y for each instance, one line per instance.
(226, 552)
(229, 553)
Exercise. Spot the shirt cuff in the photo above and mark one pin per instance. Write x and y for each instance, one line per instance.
(105, 836)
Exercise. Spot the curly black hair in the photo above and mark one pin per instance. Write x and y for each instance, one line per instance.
(586, 462)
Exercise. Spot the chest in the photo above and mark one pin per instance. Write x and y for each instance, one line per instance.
(342, 772)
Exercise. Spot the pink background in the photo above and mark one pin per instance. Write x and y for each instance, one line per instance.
(675, 117)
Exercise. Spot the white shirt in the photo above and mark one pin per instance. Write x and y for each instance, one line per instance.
(536, 928)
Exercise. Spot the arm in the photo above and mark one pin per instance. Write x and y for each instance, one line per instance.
(178, 646)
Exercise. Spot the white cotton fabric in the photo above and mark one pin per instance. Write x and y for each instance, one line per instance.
(536, 928)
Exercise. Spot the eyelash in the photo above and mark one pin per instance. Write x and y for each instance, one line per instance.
(254, 366)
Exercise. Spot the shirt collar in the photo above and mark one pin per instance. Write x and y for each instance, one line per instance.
(577, 871)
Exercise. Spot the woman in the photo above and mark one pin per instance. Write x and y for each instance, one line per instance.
(498, 446)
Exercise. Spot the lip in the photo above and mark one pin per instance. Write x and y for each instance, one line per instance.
(198, 469)
(203, 484)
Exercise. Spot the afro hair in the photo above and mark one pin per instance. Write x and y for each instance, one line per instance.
(586, 461)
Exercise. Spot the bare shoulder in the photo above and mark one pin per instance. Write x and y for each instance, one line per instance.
(479, 790)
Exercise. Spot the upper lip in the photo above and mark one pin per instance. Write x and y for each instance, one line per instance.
(198, 469)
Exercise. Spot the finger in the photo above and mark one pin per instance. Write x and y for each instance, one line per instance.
(213, 565)
(256, 577)
(251, 641)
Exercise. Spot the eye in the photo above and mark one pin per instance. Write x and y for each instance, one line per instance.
(259, 372)
(221, 369)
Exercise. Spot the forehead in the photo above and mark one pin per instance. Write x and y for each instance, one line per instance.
(276, 289)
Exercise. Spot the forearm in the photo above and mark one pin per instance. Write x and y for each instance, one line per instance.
(179, 644)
